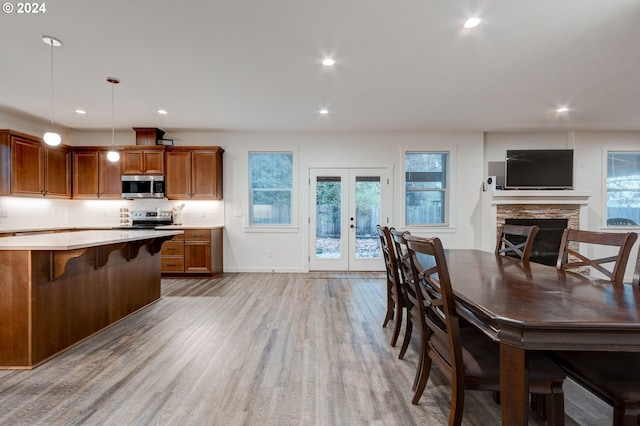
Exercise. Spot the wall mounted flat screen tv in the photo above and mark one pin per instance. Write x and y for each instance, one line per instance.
(539, 169)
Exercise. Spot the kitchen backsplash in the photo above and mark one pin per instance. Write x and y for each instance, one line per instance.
(38, 213)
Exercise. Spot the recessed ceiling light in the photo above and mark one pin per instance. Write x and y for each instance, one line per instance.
(328, 62)
(562, 109)
(162, 111)
(324, 111)
(472, 22)
(80, 111)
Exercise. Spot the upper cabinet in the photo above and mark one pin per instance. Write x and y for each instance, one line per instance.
(31, 168)
(194, 173)
(94, 176)
(142, 160)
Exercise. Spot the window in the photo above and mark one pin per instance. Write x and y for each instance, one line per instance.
(426, 194)
(271, 188)
(623, 188)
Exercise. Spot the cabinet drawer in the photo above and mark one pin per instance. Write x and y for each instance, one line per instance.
(178, 237)
(172, 248)
(172, 264)
(197, 234)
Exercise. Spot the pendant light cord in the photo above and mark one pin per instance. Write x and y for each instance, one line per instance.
(113, 117)
(51, 85)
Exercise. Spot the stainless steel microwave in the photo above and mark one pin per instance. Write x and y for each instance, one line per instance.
(142, 186)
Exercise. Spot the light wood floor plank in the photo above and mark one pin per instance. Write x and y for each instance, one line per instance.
(250, 349)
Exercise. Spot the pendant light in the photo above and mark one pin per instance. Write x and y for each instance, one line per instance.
(51, 137)
(113, 155)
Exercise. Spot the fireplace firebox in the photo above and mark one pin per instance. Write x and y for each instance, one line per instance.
(547, 242)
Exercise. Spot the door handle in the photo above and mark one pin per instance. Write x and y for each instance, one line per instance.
(353, 226)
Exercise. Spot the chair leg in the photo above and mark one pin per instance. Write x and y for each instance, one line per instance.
(539, 405)
(389, 314)
(554, 406)
(457, 402)
(421, 357)
(422, 379)
(398, 321)
(625, 414)
(407, 338)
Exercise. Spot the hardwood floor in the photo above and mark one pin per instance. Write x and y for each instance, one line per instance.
(250, 349)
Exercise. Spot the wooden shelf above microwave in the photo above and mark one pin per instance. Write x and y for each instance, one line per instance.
(148, 135)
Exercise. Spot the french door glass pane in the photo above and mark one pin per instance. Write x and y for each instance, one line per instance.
(328, 217)
(368, 209)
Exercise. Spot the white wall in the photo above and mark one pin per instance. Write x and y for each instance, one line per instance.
(247, 251)
(32, 126)
(589, 167)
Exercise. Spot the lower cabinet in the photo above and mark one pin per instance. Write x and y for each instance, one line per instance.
(173, 255)
(196, 252)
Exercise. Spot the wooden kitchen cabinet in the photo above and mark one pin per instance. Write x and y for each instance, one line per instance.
(137, 161)
(197, 252)
(172, 253)
(31, 168)
(194, 173)
(94, 176)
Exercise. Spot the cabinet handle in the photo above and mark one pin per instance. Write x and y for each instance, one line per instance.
(171, 264)
(171, 248)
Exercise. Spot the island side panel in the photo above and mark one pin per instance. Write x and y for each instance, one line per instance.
(14, 308)
(86, 299)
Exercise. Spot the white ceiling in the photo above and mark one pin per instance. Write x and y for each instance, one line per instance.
(254, 65)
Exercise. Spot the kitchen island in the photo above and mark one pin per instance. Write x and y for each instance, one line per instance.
(59, 289)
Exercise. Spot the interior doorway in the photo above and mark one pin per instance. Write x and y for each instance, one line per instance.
(345, 207)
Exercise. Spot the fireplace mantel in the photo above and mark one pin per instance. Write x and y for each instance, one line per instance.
(578, 197)
(498, 205)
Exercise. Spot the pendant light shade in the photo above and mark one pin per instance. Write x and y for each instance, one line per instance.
(51, 137)
(113, 155)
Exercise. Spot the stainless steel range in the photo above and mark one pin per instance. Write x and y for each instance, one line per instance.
(150, 219)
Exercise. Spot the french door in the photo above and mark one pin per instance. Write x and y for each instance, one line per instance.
(346, 205)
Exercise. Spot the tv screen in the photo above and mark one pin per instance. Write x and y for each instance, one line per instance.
(539, 169)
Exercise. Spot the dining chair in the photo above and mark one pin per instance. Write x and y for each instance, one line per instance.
(406, 277)
(570, 258)
(468, 358)
(516, 240)
(395, 298)
(636, 272)
(612, 376)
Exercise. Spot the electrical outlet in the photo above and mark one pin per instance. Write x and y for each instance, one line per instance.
(269, 253)
(4, 214)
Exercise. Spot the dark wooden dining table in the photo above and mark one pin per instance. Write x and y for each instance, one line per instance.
(537, 307)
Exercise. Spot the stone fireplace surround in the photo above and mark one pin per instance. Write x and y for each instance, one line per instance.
(542, 204)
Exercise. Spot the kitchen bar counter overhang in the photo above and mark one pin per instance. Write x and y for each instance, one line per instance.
(80, 239)
(60, 289)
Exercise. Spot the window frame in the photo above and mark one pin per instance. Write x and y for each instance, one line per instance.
(249, 226)
(448, 199)
(605, 186)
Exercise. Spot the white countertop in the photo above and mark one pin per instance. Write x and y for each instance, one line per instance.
(79, 239)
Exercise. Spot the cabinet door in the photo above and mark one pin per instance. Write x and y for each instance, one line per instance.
(57, 172)
(142, 162)
(85, 174)
(27, 177)
(178, 177)
(204, 183)
(132, 162)
(153, 163)
(110, 177)
(197, 256)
